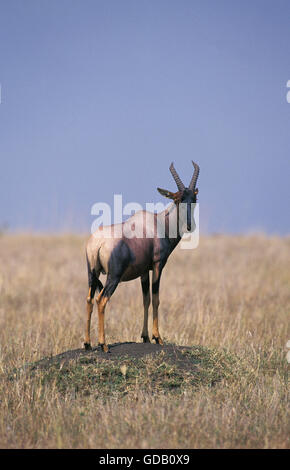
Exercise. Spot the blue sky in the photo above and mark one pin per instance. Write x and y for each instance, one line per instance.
(98, 97)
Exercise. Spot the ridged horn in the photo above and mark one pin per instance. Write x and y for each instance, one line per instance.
(192, 184)
(177, 180)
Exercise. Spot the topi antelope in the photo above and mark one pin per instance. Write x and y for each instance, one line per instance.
(125, 258)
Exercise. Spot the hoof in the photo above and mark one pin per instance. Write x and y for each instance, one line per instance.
(104, 348)
(145, 339)
(87, 346)
(158, 340)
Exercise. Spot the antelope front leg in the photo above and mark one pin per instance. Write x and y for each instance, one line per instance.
(155, 303)
(146, 302)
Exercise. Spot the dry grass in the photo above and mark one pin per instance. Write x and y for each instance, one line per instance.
(231, 295)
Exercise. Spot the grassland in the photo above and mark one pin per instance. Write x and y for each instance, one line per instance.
(229, 300)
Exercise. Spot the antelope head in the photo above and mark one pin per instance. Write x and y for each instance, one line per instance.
(184, 195)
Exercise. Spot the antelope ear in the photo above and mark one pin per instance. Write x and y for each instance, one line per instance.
(166, 193)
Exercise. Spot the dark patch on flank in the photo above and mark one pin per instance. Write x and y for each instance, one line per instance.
(120, 259)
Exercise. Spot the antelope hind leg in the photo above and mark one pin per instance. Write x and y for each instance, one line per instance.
(90, 306)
